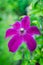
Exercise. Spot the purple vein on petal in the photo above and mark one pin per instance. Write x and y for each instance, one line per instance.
(33, 30)
(10, 32)
(16, 25)
(25, 22)
(31, 43)
(14, 43)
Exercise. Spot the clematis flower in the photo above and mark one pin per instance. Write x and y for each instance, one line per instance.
(22, 32)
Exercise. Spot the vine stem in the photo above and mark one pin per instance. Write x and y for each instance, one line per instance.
(30, 58)
(30, 55)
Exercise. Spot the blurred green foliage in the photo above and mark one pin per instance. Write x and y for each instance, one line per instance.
(10, 11)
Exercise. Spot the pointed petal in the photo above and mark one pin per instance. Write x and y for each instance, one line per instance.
(25, 22)
(14, 43)
(33, 30)
(16, 25)
(31, 43)
(10, 32)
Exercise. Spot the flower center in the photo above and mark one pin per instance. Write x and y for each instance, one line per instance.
(22, 30)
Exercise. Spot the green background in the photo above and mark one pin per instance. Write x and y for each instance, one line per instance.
(10, 11)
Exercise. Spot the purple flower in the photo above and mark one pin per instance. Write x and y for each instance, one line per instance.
(22, 32)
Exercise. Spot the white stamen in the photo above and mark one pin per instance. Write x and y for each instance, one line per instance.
(22, 29)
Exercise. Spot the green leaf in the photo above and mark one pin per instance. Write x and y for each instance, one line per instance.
(18, 56)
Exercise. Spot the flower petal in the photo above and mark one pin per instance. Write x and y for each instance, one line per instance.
(31, 43)
(25, 22)
(10, 32)
(16, 25)
(33, 30)
(14, 43)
